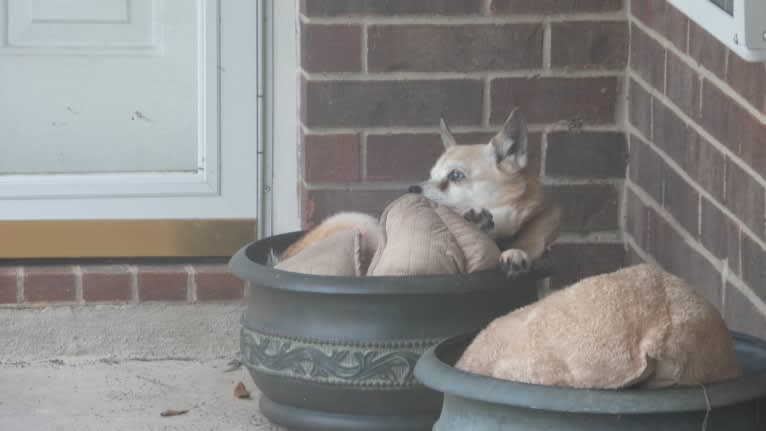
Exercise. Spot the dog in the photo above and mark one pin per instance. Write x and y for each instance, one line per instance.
(493, 186)
(490, 184)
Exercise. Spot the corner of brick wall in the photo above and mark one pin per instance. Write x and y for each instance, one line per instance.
(378, 75)
(695, 193)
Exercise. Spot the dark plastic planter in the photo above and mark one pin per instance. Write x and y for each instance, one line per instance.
(338, 353)
(478, 403)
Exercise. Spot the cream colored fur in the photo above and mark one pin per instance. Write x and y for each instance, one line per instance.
(637, 326)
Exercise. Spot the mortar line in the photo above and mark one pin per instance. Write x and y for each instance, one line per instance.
(696, 246)
(133, 271)
(20, 284)
(561, 126)
(690, 122)
(78, 293)
(486, 114)
(489, 19)
(693, 184)
(453, 76)
(191, 284)
(547, 44)
(699, 68)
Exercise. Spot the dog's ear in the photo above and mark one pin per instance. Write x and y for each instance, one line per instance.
(511, 141)
(447, 139)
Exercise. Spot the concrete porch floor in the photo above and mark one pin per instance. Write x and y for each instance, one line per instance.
(81, 394)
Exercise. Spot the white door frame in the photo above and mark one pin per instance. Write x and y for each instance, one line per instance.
(224, 184)
(281, 203)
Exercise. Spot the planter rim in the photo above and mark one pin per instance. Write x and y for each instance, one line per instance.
(260, 275)
(438, 375)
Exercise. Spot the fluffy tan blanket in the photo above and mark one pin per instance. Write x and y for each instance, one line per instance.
(638, 326)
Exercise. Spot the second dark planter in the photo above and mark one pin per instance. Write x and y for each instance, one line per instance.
(338, 353)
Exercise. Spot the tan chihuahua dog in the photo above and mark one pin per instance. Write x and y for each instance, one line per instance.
(491, 185)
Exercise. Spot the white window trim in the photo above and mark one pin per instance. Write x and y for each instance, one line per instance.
(744, 33)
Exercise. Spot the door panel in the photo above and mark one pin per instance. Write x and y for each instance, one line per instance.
(129, 127)
(126, 109)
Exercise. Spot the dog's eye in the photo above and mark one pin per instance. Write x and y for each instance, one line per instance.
(455, 175)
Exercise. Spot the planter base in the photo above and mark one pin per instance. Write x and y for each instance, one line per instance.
(297, 419)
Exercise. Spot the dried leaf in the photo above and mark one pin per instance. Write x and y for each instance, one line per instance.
(234, 364)
(241, 392)
(172, 412)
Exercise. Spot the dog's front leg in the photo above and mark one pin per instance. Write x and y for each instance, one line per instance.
(530, 242)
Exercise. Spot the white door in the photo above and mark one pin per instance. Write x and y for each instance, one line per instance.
(129, 109)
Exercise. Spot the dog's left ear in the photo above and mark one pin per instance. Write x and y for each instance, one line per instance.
(511, 141)
(448, 140)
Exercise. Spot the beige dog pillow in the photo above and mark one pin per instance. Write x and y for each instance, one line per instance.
(635, 327)
(415, 236)
(422, 237)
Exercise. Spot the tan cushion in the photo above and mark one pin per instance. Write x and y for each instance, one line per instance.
(637, 326)
(421, 237)
(338, 254)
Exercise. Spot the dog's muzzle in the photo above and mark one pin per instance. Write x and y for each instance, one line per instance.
(415, 189)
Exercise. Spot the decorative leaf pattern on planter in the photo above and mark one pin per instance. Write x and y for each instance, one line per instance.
(385, 363)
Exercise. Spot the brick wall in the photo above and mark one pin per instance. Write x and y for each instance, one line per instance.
(40, 285)
(377, 75)
(694, 200)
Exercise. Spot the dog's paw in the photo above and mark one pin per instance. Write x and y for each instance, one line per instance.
(514, 262)
(481, 218)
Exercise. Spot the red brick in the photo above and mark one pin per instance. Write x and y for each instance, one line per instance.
(331, 48)
(217, 283)
(681, 201)
(586, 155)
(589, 45)
(742, 315)
(390, 7)
(707, 50)
(403, 157)
(722, 117)
(573, 262)
(106, 283)
(392, 103)
(162, 283)
(719, 234)
(49, 284)
(647, 58)
(705, 163)
(646, 168)
(7, 284)
(553, 6)
(320, 204)
(586, 208)
(549, 100)
(455, 48)
(650, 12)
(331, 157)
(745, 198)
(640, 107)
(683, 86)
(749, 80)
(676, 256)
(677, 27)
(754, 266)
(669, 132)
(636, 219)
(752, 147)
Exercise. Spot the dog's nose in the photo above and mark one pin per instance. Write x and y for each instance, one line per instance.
(415, 189)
